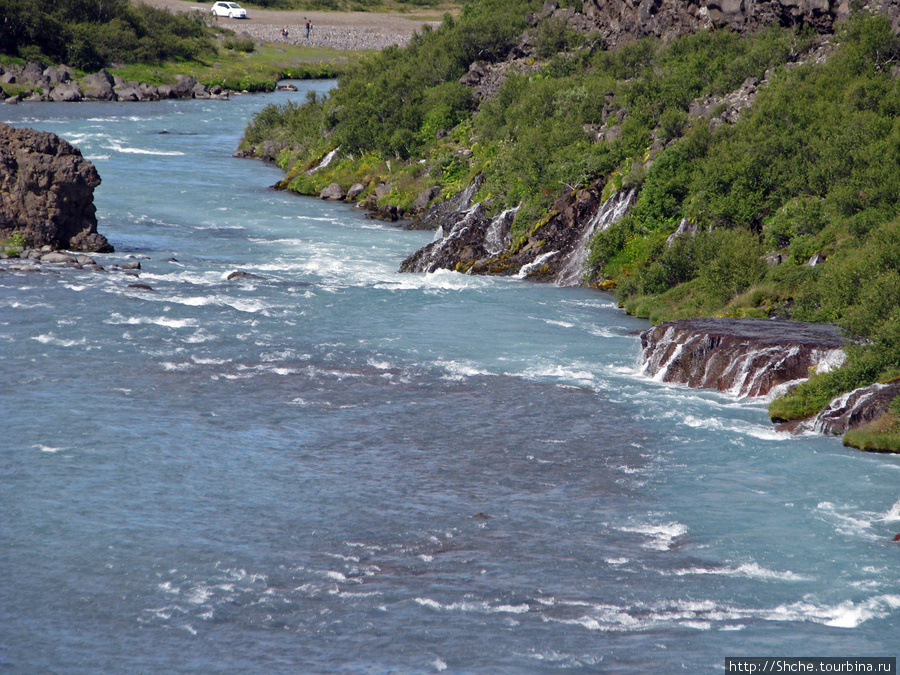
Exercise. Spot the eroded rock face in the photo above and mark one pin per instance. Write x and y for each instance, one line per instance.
(853, 409)
(47, 191)
(468, 240)
(746, 357)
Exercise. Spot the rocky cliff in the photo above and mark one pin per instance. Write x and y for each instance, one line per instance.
(746, 357)
(47, 191)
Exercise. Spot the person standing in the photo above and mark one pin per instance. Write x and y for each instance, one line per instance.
(308, 28)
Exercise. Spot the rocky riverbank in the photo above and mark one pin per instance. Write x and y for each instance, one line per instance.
(60, 83)
(763, 358)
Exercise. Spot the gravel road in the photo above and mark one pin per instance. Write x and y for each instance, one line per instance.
(338, 30)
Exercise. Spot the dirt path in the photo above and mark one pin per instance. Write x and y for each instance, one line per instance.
(338, 30)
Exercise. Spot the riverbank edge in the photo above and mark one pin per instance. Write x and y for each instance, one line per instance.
(873, 429)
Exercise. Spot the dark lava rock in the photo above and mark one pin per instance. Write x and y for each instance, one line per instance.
(47, 191)
(238, 274)
(747, 357)
(854, 409)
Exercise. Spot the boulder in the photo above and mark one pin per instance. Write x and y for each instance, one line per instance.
(56, 75)
(240, 274)
(425, 198)
(333, 192)
(66, 93)
(200, 91)
(57, 257)
(47, 191)
(128, 92)
(99, 86)
(383, 190)
(184, 86)
(33, 73)
(148, 92)
(355, 191)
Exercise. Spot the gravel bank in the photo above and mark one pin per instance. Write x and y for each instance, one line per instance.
(337, 30)
(335, 37)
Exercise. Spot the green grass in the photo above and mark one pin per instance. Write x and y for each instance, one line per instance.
(255, 71)
(880, 435)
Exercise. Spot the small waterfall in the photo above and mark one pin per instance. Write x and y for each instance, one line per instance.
(443, 240)
(536, 264)
(851, 409)
(743, 359)
(656, 356)
(496, 239)
(610, 211)
(826, 360)
(326, 160)
(749, 372)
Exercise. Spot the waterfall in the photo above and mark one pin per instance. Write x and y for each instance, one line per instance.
(496, 238)
(525, 270)
(326, 160)
(743, 358)
(610, 211)
(443, 240)
(851, 409)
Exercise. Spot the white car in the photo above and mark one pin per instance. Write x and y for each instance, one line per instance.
(230, 9)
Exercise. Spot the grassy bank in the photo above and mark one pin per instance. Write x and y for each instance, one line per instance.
(256, 70)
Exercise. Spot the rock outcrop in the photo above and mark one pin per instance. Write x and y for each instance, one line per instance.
(853, 409)
(468, 240)
(746, 357)
(47, 191)
(632, 19)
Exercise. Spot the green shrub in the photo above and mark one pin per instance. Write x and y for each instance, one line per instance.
(240, 44)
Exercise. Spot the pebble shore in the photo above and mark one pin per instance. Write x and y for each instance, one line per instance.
(335, 37)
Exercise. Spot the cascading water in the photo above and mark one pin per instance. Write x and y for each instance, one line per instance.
(496, 238)
(856, 407)
(535, 265)
(607, 214)
(746, 358)
(326, 160)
